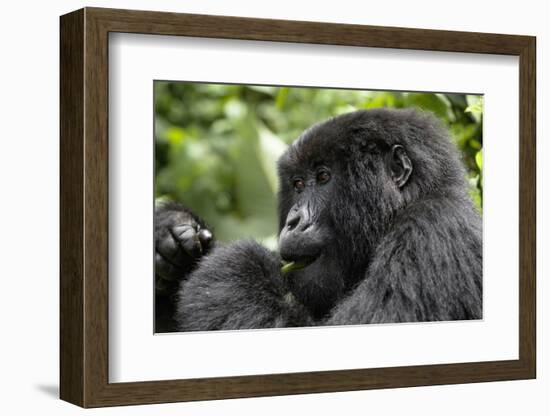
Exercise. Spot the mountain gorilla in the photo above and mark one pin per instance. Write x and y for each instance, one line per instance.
(376, 226)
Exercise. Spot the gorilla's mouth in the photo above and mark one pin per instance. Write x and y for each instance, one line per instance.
(291, 265)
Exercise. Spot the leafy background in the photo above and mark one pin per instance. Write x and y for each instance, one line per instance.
(216, 145)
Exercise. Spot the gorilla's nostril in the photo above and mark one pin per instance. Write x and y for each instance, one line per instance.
(293, 222)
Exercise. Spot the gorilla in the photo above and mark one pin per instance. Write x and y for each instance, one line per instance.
(375, 226)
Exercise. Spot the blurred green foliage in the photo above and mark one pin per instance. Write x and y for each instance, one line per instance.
(216, 145)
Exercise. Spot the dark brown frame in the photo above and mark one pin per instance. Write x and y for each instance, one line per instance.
(84, 208)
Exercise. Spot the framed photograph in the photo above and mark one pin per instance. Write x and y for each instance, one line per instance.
(255, 207)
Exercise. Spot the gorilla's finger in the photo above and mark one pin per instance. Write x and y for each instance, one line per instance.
(188, 239)
(192, 246)
(183, 231)
(205, 237)
(168, 247)
(166, 270)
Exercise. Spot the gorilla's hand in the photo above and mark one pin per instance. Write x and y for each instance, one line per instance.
(181, 238)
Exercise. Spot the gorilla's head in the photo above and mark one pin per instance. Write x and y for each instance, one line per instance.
(343, 184)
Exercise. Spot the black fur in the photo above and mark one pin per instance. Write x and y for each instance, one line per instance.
(239, 286)
(173, 261)
(398, 244)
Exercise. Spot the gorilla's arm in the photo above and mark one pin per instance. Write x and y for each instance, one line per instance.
(238, 286)
(423, 270)
(181, 239)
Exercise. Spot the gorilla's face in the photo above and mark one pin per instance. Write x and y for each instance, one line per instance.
(336, 181)
(307, 236)
(307, 227)
(313, 180)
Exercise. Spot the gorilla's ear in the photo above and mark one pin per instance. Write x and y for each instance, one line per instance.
(399, 165)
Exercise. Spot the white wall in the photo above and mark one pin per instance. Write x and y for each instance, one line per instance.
(29, 184)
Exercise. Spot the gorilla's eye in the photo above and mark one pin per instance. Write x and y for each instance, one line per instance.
(323, 176)
(299, 185)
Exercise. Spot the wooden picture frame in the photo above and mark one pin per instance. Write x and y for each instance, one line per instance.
(84, 207)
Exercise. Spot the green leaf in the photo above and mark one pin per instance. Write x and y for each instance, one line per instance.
(264, 89)
(235, 109)
(430, 102)
(293, 265)
(479, 160)
(475, 106)
(256, 201)
(281, 97)
(175, 135)
(269, 149)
